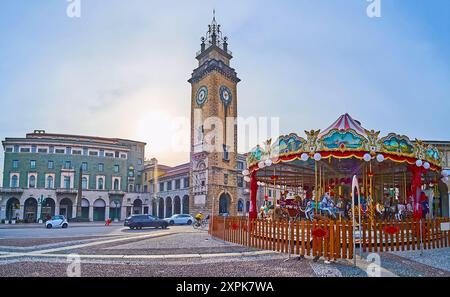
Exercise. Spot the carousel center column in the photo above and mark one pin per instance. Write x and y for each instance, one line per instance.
(253, 193)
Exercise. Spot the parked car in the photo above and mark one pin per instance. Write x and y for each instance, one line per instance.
(180, 219)
(140, 221)
(57, 222)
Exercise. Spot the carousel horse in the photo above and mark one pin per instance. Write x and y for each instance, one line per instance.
(386, 212)
(327, 206)
(277, 214)
(341, 208)
(309, 210)
(404, 211)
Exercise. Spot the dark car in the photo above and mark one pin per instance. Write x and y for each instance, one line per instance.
(140, 221)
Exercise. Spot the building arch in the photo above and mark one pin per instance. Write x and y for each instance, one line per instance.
(154, 208)
(12, 208)
(137, 206)
(114, 209)
(224, 203)
(240, 206)
(65, 208)
(168, 207)
(161, 208)
(30, 210)
(186, 204)
(99, 210)
(48, 208)
(85, 208)
(177, 205)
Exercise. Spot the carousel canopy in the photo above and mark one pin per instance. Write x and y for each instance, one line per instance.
(345, 122)
(345, 144)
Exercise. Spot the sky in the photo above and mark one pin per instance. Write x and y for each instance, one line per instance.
(121, 69)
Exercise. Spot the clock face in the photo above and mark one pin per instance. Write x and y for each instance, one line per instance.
(225, 95)
(202, 95)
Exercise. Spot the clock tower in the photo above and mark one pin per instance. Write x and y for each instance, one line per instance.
(213, 178)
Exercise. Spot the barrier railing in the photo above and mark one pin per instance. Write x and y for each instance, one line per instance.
(328, 238)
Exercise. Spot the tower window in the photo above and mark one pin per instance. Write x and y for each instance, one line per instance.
(225, 153)
(240, 181)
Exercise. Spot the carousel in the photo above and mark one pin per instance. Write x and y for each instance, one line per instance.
(394, 177)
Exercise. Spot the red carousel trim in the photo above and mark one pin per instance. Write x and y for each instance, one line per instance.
(347, 155)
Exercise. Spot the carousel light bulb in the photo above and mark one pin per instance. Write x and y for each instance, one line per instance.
(268, 162)
(305, 157)
(426, 165)
(247, 179)
(258, 183)
(261, 165)
(380, 158)
(262, 184)
(419, 163)
(317, 156)
(367, 157)
(245, 172)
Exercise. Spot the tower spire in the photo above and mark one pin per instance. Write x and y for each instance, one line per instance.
(214, 36)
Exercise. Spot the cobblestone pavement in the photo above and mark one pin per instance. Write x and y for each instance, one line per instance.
(183, 251)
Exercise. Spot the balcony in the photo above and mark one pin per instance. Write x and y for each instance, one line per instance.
(11, 190)
(66, 191)
(116, 192)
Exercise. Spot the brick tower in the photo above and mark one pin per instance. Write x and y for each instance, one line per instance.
(213, 127)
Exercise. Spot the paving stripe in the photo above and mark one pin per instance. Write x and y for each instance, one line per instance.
(175, 256)
(70, 247)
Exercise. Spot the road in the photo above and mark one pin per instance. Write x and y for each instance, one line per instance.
(69, 232)
(177, 251)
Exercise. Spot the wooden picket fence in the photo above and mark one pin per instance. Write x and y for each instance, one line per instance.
(328, 238)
